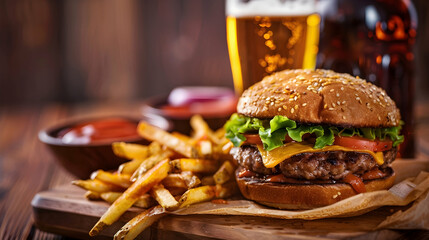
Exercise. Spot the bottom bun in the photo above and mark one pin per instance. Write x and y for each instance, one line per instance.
(304, 196)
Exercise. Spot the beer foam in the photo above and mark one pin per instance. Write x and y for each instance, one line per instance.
(240, 8)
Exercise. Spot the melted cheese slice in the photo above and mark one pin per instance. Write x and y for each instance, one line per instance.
(278, 155)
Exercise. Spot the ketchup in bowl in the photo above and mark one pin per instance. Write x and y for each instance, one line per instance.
(98, 131)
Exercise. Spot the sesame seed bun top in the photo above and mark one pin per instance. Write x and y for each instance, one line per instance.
(320, 97)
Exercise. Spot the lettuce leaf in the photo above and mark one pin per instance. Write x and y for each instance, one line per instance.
(273, 132)
(275, 135)
(237, 125)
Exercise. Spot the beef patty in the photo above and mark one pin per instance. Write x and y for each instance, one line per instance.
(318, 165)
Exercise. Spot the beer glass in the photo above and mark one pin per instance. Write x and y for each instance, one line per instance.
(266, 36)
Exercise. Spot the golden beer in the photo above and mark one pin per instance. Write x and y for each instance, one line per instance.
(261, 45)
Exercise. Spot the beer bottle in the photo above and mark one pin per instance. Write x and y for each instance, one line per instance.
(373, 39)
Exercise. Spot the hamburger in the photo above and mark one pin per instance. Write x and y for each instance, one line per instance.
(309, 138)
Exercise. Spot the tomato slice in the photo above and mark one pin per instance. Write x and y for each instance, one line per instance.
(355, 182)
(255, 139)
(363, 143)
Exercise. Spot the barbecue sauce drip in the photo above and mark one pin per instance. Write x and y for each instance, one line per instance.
(355, 182)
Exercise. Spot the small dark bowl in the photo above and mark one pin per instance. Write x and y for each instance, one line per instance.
(153, 108)
(82, 159)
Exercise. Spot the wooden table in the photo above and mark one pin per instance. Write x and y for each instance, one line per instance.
(26, 166)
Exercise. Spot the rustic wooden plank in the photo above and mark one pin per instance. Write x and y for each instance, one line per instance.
(64, 210)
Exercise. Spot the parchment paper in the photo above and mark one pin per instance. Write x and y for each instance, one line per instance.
(412, 186)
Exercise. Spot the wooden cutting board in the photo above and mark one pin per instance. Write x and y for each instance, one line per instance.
(65, 211)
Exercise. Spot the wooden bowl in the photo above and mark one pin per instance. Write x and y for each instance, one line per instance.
(82, 159)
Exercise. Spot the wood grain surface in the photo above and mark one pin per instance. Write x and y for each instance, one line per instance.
(26, 166)
(65, 210)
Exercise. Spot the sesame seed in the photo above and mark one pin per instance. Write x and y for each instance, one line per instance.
(292, 110)
(304, 104)
(339, 193)
(279, 109)
(284, 107)
(296, 106)
(332, 90)
(342, 88)
(338, 94)
(325, 106)
(344, 117)
(272, 103)
(344, 102)
(333, 105)
(338, 102)
(330, 109)
(335, 196)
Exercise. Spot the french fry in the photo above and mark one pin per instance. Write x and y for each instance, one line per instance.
(195, 165)
(139, 223)
(97, 186)
(220, 133)
(110, 197)
(196, 195)
(184, 137)
(144, 201)
(224, 173)
(147, 181)
(130, 150)
(225, 190)
(191, 180)
(163, 197)
(131, 195)
(202, 129)
(149, 163)
(184, 180)
(205, 147)
(130, 167)
(155, 148)
(207, 180)
(177, 191)
(156, 134)
(90, 195)
(174, 180)
(117, 179)
(227, 147)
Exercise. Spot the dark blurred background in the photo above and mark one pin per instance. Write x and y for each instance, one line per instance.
(75, 51)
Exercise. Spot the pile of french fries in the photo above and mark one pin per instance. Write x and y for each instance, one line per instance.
(172, 172)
